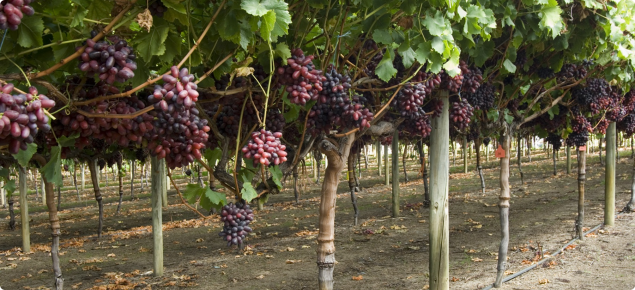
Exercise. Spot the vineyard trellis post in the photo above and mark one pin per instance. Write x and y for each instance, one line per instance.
(630, 206)
(395, 173)
(581, 180)
(3, 195)
(504, 205)
(157, 188)
(387, 166)
(24, 210)
(132, 173)
(464, 150)
(568, 160)
(609, 176)
(439, 262)
(378, 150)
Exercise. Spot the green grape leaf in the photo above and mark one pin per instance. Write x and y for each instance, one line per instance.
(68, 141)
(551, 18)
(173, 44)
(175, 5)
(248, 192)
(276, 175)
(268, 24)
(509, 66)
(99, 9)
(212, 199)
(382, 36)
(452, 65)
(24, 156)
(282, 50)
(171, 15)
(52, 171)
(555, 110)
(212, 156)
(423, 52)
(193, 192)
(254, 7)
(385, 70)
(10, 187)
(30, 32)
(78, 16)
(293, 113)
(4, 172)
(153, 42)
(437, 25)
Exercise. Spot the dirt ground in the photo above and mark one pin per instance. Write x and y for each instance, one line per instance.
(380, 253)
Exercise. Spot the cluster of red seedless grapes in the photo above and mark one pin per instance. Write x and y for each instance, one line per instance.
(265, 148)
(12, 12)
(236, 219)
(22, 115)
(302, 80)
(111, 62)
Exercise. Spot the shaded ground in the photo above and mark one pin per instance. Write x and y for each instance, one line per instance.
(381, 252)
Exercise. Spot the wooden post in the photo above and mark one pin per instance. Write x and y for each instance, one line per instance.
(609, 177)
(395, 173)
(520, 165)
(165, 187)
(503, 206)
(464, 149)
(568, 160)
(83, 176)
(630, 206)
(379, 158)
(94, 176)
(43, 193)
(581, 179)
(439, 261)
(387, 171)
(600, 149)
(24, 211)
(132, 169)
(157, 189)
(3, 195)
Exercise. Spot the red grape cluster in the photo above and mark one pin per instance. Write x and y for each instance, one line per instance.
(474, 132)
(601, 126)
(21, 116)
(335, 109)
(467, 80)
(178, 89)
(157, 9)
(472, 79)
(410, 98)
(236, 219)
(385, 140)
(112, 62)
(627, 124)
(302, 80)
(12, 12)
(460, 114)
(545, 72)
(595, 95)
(123, 132)
(571, 71)
(275, 121)
(483, 98)
(578, 138)
(581, 124)
(554, 140)
(486, 141)
(265, 148)
(435, 106)
(419, 126)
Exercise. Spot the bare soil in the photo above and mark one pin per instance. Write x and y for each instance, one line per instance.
(380, 253)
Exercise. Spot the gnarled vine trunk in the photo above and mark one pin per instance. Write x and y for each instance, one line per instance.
(296, 192)
(503, 206)
(351, 184)
(520, 167)
(630, 206)
(11, 215)
(424, 173)
(132, 168)
(94, 171)
(403, 161)
(74, 181)
(553, 156)
(120, 176)
(337, 155)
(477, 143)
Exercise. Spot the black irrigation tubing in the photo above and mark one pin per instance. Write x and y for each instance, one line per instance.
(523, 271)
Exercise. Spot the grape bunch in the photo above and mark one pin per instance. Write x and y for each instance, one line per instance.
(409, 99)
(275, 121)
(602, 125)
(627, 124)
(157, 8)
(111, 62)
(22, 116)
(12, 12)
(571, 71)
(578, 138)
(334, 108)
(483, 98)
(595, 95)
(435, 106)
(460, 114)
(179, 135)
(178, 89)
(486, 141)
(580, 124)
(545, 72)
(188, 172)
(236, 219)
(419, 126)
(141, 154)
(385, 140)
(521, 58)
(265, 148)
(472, 79)
(554, 140)
(467, 80)
(303, 82)
(474, 132)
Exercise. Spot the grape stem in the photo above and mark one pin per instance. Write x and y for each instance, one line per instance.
(41, 47)
(116, 116)
(240, 124)
(16, 65)
(181, 196)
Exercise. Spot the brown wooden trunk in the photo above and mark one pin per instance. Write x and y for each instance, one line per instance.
(630, 206)
(403, 161)
(120, 176)
(477, 143)
(11, 214)
(296, 192)
(337, 155)
(351, 184)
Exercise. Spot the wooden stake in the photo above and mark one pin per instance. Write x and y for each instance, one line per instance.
(609, 176)
(157, 188)
(24, 211)
(395, 173)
